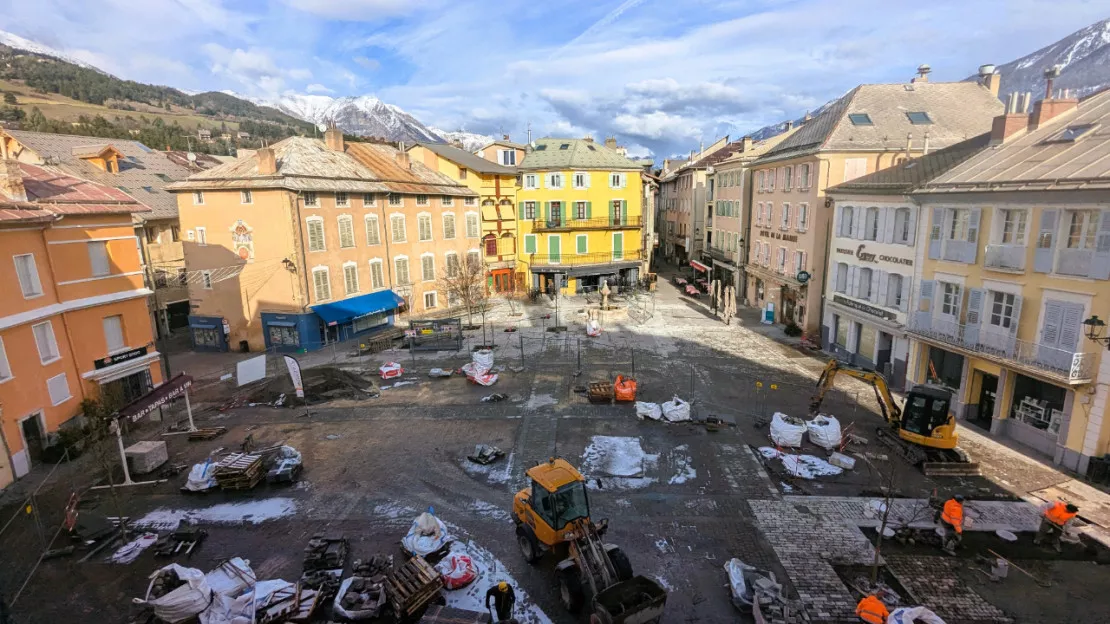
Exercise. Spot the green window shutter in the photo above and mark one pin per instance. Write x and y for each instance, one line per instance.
(546, 212)
(624, 212)
(589, 209)
(530, 244)
(581, 243)
(520, 210)
(610, 204)
(618, 245)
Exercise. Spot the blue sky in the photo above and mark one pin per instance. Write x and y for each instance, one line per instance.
(661, 75)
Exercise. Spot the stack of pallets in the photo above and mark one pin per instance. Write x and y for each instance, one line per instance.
(239, 471)
(412, 586)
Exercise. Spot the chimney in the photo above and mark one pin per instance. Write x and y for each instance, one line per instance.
(611, 142)
(404, 161)
(333, 138)
(788, 125)
(989, 79)
(1050, 76)
(1010, 122)
(925, 147)
(504, 137)
(909, 145)
(267, 161)
(588, 139)
(746, 144)
(11, 181)
(922, 73)
(1050, 106)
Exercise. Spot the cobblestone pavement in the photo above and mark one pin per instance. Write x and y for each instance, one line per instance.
(916, 513)
(934, 581)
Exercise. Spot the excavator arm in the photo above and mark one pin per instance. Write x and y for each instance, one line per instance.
(891, 412)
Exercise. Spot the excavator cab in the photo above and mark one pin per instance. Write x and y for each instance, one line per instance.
(927, 418)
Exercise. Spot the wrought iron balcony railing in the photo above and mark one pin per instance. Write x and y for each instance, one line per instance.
(573, 259)
(595, 223)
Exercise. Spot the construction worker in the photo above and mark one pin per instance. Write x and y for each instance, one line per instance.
(1056, 516)
(872, 610)
(504, 599)
(951, 518)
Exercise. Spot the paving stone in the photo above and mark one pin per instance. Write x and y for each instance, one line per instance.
(988, 515)
(934, 583)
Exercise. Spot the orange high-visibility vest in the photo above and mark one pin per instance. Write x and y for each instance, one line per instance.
(872, 610)
(1058, 514)
(953, 514)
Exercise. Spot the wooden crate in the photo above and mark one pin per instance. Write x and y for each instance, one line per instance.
(600, 392)
(412, 586)
(239, 471)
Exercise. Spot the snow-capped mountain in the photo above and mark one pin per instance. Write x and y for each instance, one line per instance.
(13, 40)
(363, 115)
(1084, 55)
(470, 142)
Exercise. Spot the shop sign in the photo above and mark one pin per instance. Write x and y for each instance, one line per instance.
(803, 276)
(156, 398)
(118, 358)
(866, 256)
(863, 307)
(790, 238)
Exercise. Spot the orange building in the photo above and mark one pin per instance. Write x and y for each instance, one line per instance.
(73, 319)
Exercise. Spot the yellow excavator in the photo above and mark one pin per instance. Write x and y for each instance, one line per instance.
(923, 431)
(553, 515)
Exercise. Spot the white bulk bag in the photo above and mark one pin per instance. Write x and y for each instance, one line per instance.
(824, 431)
(783, 433)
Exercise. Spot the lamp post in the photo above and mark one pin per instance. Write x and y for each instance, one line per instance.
(1094, 328)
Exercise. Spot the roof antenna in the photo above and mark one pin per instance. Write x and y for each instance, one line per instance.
(529, 133)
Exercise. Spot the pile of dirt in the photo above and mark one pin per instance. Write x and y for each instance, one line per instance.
(321, 384)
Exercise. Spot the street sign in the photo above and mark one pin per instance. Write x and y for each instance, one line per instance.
(803, 276)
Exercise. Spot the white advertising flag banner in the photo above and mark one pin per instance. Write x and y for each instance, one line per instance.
(295, 374)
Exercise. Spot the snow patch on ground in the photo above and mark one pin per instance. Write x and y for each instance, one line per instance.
(490, 572)
(662, 581)
(683, 465)
(393, 510)
(804, 466)
(663, 545)
(620, 461)
(253, 512)
(537, 401)
(489, 510)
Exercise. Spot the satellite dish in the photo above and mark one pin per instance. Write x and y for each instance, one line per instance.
(192, 157)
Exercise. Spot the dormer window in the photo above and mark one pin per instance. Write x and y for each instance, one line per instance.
(919, 118)
(860, 119)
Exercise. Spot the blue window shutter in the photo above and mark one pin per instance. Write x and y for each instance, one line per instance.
(975, 302)
(923, 316)
(971, 250)
(1045, 251)
(1100, 264)
(936, 233)
(905, 299)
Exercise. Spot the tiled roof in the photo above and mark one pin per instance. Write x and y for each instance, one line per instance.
(141, 167)
(958, 111)
(86, 151)
(549, 154)
(1042, 159)
(51, 193)
(759, 148)
(466, 159)
(201, 162)
(504, 144)
(417, 178)
(906, 176)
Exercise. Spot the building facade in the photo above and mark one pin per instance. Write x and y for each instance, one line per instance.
(496, 188)
(870, 128)
(1016, 257)
(581, 216)
(310, 242)
(683, 204)
(74, 323)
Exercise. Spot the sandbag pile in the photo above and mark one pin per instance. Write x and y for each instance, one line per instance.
(676, 410)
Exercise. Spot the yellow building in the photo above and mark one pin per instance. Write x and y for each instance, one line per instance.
(581, 215)
(1015, 280)
(496, 188)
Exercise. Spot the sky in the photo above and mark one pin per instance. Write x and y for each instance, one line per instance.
(663, 76)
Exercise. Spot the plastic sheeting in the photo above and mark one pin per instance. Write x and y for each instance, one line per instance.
(824, 431)
(479, 366)
(786, 433)
(458, 570)
(389, 370)
(131, 550)
(201, 477)
(676, 410)
(593, 328)
(746, 581)
(182, 603)
(913, 615)
(649, 410)
(426, 535)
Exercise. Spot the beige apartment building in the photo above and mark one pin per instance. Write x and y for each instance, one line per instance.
(309, 242)
(872, 127)
(682, 194)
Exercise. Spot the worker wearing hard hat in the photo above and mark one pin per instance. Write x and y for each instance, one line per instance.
(872, 610)
(504, 599)
(951, 518)
(1055, 517)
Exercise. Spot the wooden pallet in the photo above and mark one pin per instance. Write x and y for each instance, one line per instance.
(239, 471)
(600, 392)
(206, 434)
(412, 586)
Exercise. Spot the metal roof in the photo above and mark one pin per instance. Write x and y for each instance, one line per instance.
(906, 176)
(550, 154)
(466, 159)
(1044, 158)
(51, 193)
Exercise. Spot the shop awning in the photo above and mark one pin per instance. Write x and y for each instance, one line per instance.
(699, 266)
(156, 398)
(354, 307)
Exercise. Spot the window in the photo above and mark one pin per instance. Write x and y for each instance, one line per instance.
(1081, 229)
(346, 232)
(198, 198)
(564, 146)
(395, 199)
(580, 246)
(803, 217)
(245, 197)
(449, 226)
(863, 290)
(430, 298)
(369, 199)
(377, 278)
(847, 221)
(529, 243)
(321, 283)
(580, 210)
(902, 226)
(310, 199)
(799, 259)
(841, 331)
(372, 236)
(424, 227)
(202, 236)
(58, 387)
(788, 179)
(98, 257)
(152, 235)
(462, 173)
(555, 180)
(315, 233)
(854, 168)
(206, 279)
(397, 226)
(581, 180)
(175, 233)
(472, 230)
(342, 200)
(446, 201)
(473, 260)
(785, 217)
(771, 175)
(950, 303)
(617, 180)
(1013, 227)
(507, 157)
(421, 200)
(113, 333)
(428, 268)
(5, 368)
(491, 245)
(531, 181)
(401, 267)
(803, 176)
(760, 181)
(780, 260)
(919, 118)
(44, 340)
(894, 290)
(350, 277)
(957, 229)
(470, 201)
(1002, 310)
(452, 264)
(871, 224)
(860, 119)
(841, 277)
(28, 275)
(770, 218)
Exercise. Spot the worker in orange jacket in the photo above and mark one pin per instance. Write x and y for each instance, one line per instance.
(951, 518)
(872, 610)
(1056, 516)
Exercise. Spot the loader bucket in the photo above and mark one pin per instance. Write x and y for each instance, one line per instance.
(636, 601)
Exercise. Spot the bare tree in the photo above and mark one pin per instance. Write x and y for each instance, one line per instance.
(513, 298)
(466, 284)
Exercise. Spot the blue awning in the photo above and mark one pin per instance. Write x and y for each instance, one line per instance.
(353, 307)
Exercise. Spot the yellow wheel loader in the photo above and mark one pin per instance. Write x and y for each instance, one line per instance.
(553, 515)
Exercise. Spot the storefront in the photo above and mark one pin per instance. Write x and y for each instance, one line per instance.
(351, 317)
(866, 336)
(209, 333)
(286, 332)
(1038, 413)
(125, 376)
(585, 279)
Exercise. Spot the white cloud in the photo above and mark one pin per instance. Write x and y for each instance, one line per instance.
(318, 88)
(254, 68)
(367, 63)
(360, 10)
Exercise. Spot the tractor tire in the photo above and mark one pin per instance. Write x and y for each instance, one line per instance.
(529, 546)
(621, 564)
(570, 589)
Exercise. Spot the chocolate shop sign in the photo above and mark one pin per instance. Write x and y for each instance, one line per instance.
(866, 256)
(863, 307)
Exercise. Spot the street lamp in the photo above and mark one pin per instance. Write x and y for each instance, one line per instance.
(1095, 327)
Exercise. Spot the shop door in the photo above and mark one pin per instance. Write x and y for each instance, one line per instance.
(988, 390)
(503, 281)
(33, 436)
(882, 356)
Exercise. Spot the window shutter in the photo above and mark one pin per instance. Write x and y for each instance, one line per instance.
(1100, 264)
(905, 303)
(1014, 323)
(624, 212)
(610, 204)
(520, 210)
(975, 302)
(879, 295)
(936, 230)
(581, 247)
(886, 224)
(859, 223)
(839, 216)
(1045, 251)
(1071, 324)
(912, 229)
(923, 317)
(546, 211)
(971, 251)
(853, 281)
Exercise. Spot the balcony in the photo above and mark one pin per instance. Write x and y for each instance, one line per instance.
(1006, 257)
(723, 256)
(1074, 262)
(596, 223)
(573, 259)
(1005, 349)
